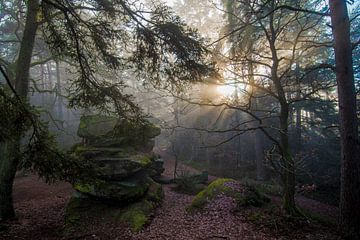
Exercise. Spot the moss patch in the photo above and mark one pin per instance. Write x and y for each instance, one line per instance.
(245, 196)
(210, 192)
(136, 215)
(155, 192)
(145, 160)
(124, 191)
(84, 188)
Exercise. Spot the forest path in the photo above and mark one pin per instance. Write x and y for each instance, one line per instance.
(171, 221)
(40, 209)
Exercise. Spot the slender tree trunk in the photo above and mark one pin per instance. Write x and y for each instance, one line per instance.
(42, 76)
(259, 155)
(349, 139)
(258, 136)
(9, 163)
(288, 161)
(297, 139)
(58, 88)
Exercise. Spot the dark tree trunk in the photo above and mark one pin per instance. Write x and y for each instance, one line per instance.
(26, 48)
(9, 163)
(288, 161)
(349, 139)
(8, 166)
(58, 89)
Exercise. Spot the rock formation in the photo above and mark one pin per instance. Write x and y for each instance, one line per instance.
(121, 152)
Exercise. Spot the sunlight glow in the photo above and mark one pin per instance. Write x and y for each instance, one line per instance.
(226, 90)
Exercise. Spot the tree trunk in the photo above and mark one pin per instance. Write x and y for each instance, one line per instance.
(58, 90)
(286, 158)
(26, 48)
(8, 166)
(9, 163)
(259, 155)
(349, 139)
(288, 161)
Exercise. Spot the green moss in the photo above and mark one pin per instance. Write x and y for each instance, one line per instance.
(144, 159)
(136, 215)
(84, 188)
(210, 192)
(155, 192)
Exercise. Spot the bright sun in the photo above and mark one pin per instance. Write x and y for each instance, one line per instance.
(226, 90)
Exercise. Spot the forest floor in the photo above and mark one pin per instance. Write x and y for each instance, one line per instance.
(40, 209)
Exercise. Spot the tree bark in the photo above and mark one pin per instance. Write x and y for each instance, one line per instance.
(26, 48)
(349, 139)
(8, 166)
(58, 88)
(9, 163)
(286, 158)
(288, 161)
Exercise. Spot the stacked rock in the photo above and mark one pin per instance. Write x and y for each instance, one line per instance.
(122, 153)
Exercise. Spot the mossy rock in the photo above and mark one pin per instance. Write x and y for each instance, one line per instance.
(127, 190)
(96, 126)
(79, 206)
(138, 134)
(121, 167)
(115, 163)
(157, 167)
(107, 131)
(155, 192)
(210, 192)
(245, 196)
(139, 214)
(136, 215)
(90, 152)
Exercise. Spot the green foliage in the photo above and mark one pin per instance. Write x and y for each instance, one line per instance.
(156, 47)
(210, 192)
(40, 152)
(16, 117)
